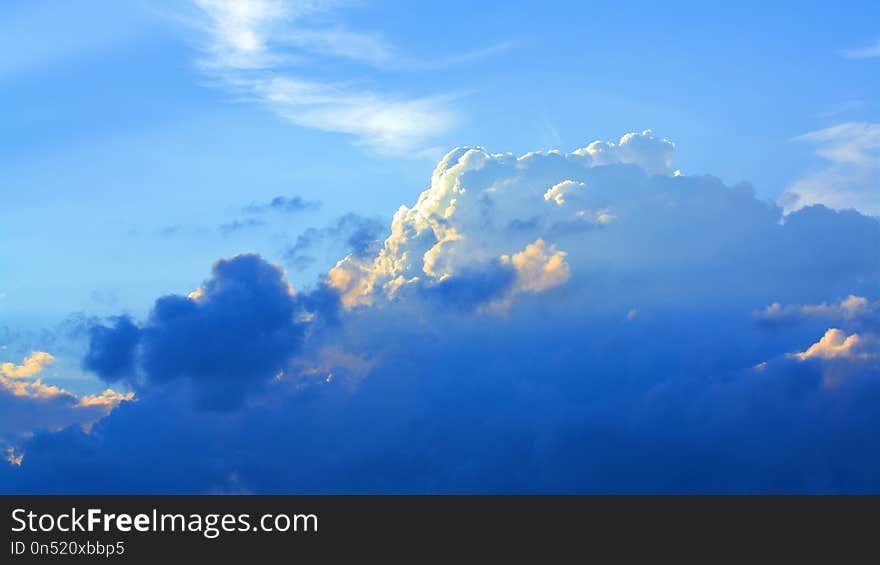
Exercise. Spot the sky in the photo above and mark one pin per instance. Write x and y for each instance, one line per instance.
(362, 246)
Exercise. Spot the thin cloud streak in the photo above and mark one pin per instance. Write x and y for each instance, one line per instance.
(850, 178)
(253, 48)
(863, 52)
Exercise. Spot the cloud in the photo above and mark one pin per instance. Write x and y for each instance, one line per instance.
(849, 181)
(475, 287)
(231, 337)
(12, 457)
(109, 398)
(283, 204)
(625, 358)
(280, 204)
(494, 287)
(33, 364)
(538, 267)
(850, 308)
(29, 405)
(112, 349)
(558, 192)
(239, 225)
(338, 41)
(835, 344)
(349, 234)
(866, 52)
(255, 48)
(653, 154)
(484, 206)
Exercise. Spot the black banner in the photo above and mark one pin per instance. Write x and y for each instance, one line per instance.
(544, 529)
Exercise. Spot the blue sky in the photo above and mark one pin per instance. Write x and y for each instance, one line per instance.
(143, 141)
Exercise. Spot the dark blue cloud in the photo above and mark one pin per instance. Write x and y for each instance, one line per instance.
(350, 233)
(473, 287)
(282, 204)
(496, 407)
(239, 225)
(323, 302)
(230, 341)
(112, 349)
(286, 204)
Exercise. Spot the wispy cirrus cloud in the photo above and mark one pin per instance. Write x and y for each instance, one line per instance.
(264, 51)
(865, 52)
(851, 178)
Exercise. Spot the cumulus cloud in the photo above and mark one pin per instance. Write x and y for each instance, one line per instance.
(33, 364)
(229, 338)
(502, 341)
(652, 154)
(350, 233)
(476, 287)
(558, 192)
(835, 344)
(850, 179)
(112, 349)
(483, 207)
(27, 404)
(538, 267)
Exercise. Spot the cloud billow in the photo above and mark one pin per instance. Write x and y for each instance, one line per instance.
(460, 355)
(228, 338)
(29, 405)
(348, 234)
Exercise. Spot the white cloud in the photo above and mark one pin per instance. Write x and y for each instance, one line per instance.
(28, 404)
(33, 364)
(622, 216)
(652, 154)
(849, 308)
(485, 207)
(12, 456)
(558, 192)
(866, 52)
(851, 179)
(836, 344)
(254, 46)
(338, 41)
(14, 380)
(239, 32)
(538, 267)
